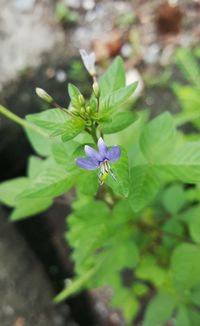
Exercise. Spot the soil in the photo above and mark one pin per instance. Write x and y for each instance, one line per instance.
(26, 293)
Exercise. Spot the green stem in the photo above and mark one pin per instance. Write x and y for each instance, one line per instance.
(22, 122)
(76, 285)
(93, 134)
(148, 228)
(63, 109)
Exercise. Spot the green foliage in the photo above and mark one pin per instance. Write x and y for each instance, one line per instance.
(64, 14)
(121, 172)
(188, 95)
(145, 219)
(174, 198)
(144, 186)
(157, 138)
(159, 310)
(185, 266)
(119, 121)
(117, 98)
(113, 79)
(182, 318)
(188, 66)
(9, 190)
(57, 123)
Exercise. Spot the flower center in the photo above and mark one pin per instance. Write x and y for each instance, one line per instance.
(105, 167)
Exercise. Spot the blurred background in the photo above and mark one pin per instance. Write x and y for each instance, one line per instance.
(39, 47)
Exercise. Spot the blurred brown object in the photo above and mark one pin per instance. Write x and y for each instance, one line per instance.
(19, 322)
(168, 18)
(109, 47)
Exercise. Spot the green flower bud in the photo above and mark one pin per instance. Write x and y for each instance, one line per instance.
(88, 109)
(73, 109)
(96, 89)
(82, 111)
(81, 99)
(44, 95)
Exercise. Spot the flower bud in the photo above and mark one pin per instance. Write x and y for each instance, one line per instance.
(96, 89)
(73, 109)
(44, 95)
(81, 99)
(88, 109)
(82, 110)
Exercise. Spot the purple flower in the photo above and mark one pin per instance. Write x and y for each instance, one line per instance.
(99, 159)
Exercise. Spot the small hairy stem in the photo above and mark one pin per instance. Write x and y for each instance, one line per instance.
(98, 103)
(148, 228)
(62, 109)
(93, 134)
(177, 237)
(22, 122)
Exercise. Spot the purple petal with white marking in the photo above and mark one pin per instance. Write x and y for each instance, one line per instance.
(87, 164)
(103, 150)
(92, 154)
(114, 154)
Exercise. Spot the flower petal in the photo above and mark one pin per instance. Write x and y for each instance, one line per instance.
(114, 153)
(103, 150)
(86, 163)
(92, 154)
(89, 61)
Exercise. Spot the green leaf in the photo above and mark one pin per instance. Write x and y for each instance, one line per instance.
(72, 128)
(172, 226)
(129, 305)
(120, 121)
(182, 317)
(188, 97)
(159, 310)
(88, 230)
(188, 65)
(174, 198)
(117, 98)
(157, 138)
(113, 78)
(75, 285)
(57, 123)
(126, 254)
(195, 296)
(63, 152)
(184, 163)
(185, 266)
(41, 144)
(145, 185)
(124, 300)
(121, 212)
(121, 173)
(76, 97)
(87, 183)
(194, 317)
(49, 120)
(194, 224)
(73, 91)
(29, 207)
(48, 116)
(53, 180)
(34, 166)
(148, 270)
(9, 190)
